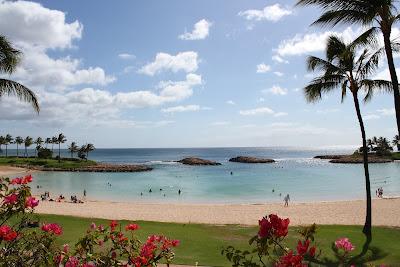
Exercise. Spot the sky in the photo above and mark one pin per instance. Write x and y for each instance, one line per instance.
(211, 73)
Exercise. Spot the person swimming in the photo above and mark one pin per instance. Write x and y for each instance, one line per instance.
(150, 191)
(179, 191)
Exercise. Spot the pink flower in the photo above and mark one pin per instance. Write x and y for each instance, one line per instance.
(93, 226)
(345, 244)
(302, 247)
(72, 262)
(65, 248)
(11, 199)
(113, 224)
(16, 181)
(7, 233)
(273, 226)
(31, 202)
(52, 228)
(27, 179)
(131, 227)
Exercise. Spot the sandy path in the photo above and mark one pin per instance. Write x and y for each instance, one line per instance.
(385, 212)
(9, 170)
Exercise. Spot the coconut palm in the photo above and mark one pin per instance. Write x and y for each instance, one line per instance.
(342, 69)
(89, 148)
(60, 140)
(9, 59)
(73, 148)
(8, 140)
(47, 141)
(2, 142)
(54, 141)
(396, 142)
(18, 141)
(27, 142)
(379, 14)
(38, 142)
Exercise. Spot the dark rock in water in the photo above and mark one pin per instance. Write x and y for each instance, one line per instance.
(198, 161)
(251, 160)
(329, 157)
(357, 160)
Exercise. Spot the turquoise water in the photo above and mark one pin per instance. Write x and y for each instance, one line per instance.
(295, 173)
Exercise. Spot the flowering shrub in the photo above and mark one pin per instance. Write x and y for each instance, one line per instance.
(21, 245)
(342, 248)
(270, 247)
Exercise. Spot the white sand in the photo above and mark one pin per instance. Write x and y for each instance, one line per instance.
(10, 171)
(385, 212)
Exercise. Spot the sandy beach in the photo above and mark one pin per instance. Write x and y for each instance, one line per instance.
(386, 212)
(9, 170)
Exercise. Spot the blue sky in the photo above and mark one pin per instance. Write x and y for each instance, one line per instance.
(178, 74)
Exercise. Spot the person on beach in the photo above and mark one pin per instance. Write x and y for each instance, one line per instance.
(287, 199)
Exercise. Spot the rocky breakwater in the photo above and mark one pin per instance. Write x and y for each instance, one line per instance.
(198, 161)
(355, 159)
(242, 159)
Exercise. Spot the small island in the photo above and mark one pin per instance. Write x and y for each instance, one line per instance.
(357, 158)
(242, 159)
(198, 161)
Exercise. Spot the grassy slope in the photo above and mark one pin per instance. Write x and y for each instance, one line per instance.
(49, 163)
(203, 243)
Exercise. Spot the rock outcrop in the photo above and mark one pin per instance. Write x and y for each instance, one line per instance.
(198, 161)
(242, 159)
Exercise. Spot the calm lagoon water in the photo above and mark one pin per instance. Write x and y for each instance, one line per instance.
(296, 173)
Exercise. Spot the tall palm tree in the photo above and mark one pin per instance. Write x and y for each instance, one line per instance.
(8, 140)
(89, 148)
(47, 141)
(60, 140)
(9, 59)
(2, 142)
(343, 69)
(396, 142)
(18, 141)
(27, 142)
(38, 142)
(379, 14)
(54, 140)
(73, 148)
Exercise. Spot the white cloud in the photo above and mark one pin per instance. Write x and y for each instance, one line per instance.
(371, 117)
(278, 59)
(35, 29)
(312, 42)
(200, 31)
(184, 61)
(261, 111)
(327, 111)
(263, 68)
(275, 90)
(278, 73)
(387, 111)
(126, 56)
(261, 99)
(29, 22)
(271, 13)
(220, 123)
(184, 109)
(230, 102)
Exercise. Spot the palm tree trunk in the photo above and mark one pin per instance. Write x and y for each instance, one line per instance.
(6, 151)
(17, 150)
(59, 152)
(393, 75)
(368, 217)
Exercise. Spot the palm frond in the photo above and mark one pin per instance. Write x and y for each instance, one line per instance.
(8, 87)
(9, 56)
(371, 65)
(342, 16)
(320, 85)
(370, 86)
(367, 38)
(335, 46)
(318, 64)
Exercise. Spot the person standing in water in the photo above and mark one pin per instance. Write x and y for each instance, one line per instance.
(287, 199)
(84, 192)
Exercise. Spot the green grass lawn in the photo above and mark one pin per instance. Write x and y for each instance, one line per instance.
(396, 155)
(203, 243)
(47, 163)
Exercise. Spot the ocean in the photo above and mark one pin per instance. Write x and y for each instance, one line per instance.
(295, 173)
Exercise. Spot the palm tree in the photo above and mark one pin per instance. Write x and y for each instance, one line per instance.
(396, 142)
(9, 59)
(8, 140)
(54, 140)
(379, 14)
(344, 70)
(48, 141)
(38, 142)
(60, 140)
(2, 142)
(27, 142)
(89, 148)
(18, 141)
(73, 148)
